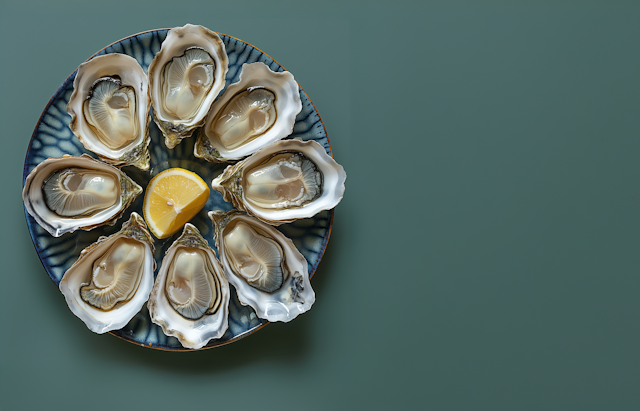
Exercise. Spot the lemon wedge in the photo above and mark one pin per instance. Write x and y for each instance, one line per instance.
(173, 197)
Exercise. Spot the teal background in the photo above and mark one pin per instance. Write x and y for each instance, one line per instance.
(484, 257)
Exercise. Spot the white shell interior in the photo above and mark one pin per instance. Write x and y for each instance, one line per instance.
(333, 175)
(131, 74)
(56, 225)
(279, 305)
(287, 105)
(191, 333)
(97, 320)
(178, 40)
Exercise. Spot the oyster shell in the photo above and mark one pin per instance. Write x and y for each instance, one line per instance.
(112, 279)
(190, 298)
(283, 182)
(109, 109)
(254, 112)
(69, 193)
(185, 76)
(266, 269)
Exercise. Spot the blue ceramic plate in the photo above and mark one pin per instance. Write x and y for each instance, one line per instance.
(52, 137)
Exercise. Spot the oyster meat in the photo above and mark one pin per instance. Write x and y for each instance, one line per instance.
(254, 112)
(112, 279)
(190, 298)
(69, 193)
(109, 109)
(185, 77)
(74, 191)
(186, 81)
(283, 182)
(264, 266)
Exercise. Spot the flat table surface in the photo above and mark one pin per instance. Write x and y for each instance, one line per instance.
(484, 257)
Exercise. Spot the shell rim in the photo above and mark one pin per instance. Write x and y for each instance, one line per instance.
(159, 113)
(35, 246)
(110, 220)
(103, 153)
(287, 110)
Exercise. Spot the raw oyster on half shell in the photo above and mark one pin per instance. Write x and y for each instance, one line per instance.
(69, 193)
(185, 77)
(266, 269)
(109, 109)
(254, 112)
(112, 279)
(283, 182)
(190, 298)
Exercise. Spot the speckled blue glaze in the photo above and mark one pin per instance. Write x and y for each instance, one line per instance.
(52, 137)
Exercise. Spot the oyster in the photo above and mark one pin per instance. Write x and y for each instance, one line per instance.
(109, 109)
(185, 77)
(69, 193)
(254, 112)
(112, 279)
(266, 269)
(283, 182)
(190, 298)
